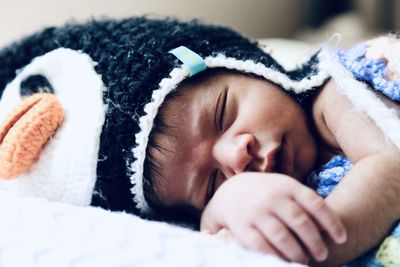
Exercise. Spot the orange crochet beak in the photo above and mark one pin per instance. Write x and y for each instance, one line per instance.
(26, 131)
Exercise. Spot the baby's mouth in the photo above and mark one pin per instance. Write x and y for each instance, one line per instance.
(278, 160)
(271, 159)
(284, 159)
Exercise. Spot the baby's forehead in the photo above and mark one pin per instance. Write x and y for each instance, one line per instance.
(190, 97)
(194, 87)
(200, 85)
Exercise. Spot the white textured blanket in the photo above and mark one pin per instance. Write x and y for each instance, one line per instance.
(36, 232)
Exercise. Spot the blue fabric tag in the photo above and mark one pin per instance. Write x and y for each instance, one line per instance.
(190, 59)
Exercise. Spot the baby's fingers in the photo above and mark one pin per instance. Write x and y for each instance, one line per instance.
(281, 238)
(253, 239)
(305, 228)
(226, 235)
(322, 214)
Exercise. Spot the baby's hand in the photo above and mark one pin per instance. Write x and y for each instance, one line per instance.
(273, 213)
(223, 234)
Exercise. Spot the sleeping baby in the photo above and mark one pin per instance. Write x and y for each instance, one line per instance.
(168, 119)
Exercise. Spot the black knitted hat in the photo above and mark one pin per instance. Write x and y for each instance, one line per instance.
(98, 154)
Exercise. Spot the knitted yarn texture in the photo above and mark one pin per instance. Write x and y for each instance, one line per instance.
(131, 58)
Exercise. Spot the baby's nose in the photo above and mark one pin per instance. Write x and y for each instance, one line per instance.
(267, 160)
(235, 155)
(263, 164)
(240, 162)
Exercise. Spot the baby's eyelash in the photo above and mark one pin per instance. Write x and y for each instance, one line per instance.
(217, 104)
(222, 111)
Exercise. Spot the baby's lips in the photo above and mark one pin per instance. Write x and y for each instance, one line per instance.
(26, 131)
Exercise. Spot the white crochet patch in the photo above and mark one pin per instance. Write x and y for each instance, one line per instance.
(167, 85)
(387, 48)
(66, 170)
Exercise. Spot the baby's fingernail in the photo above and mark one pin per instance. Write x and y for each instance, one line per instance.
(341, 237)
(322, 254)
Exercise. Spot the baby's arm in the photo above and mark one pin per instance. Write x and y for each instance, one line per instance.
(367, 198)
(272, 213)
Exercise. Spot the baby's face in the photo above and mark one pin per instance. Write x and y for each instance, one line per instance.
(228, 125)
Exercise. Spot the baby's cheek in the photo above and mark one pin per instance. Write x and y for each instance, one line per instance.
(387, 48)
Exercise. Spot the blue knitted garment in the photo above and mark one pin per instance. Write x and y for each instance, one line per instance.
(372, 71)
(325, 179)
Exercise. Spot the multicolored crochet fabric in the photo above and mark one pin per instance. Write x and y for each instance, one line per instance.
(372, 71)
(324, 180)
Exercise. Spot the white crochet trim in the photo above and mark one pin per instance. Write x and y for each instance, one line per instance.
(142, 137)
(169, 84)
(362, 98)
(272, 75)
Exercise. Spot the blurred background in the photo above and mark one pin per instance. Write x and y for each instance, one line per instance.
(312, 21)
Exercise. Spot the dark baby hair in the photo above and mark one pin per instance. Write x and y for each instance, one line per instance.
(153, 169)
